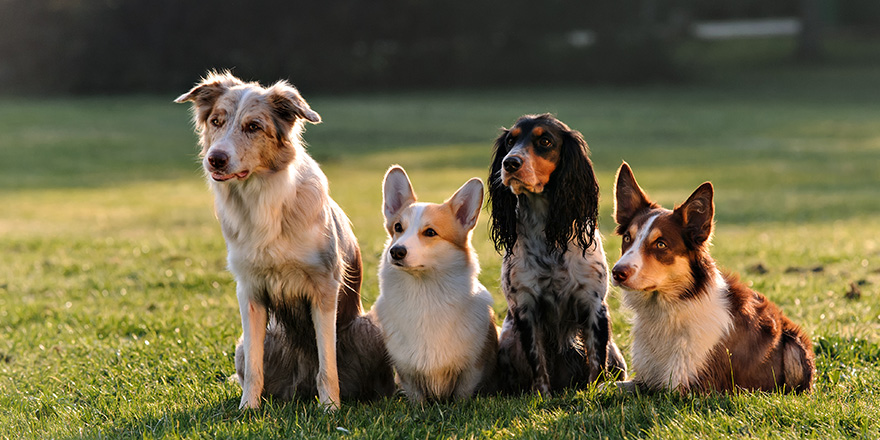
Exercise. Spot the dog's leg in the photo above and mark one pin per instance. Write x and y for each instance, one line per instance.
(595, 329)
(533, 346)
(324, 319)
(253, 324)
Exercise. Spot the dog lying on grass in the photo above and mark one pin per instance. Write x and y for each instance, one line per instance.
(695, 328)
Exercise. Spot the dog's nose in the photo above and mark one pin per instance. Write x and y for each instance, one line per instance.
(218, 159)
(621, 272)
(398, 252)
(512, 163)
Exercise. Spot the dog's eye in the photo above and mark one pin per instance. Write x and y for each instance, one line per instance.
(510, 141)
(544, 142)
(216, 122)
(627, 238)
(398, 227)
(660, 244)
(253, 126)
(430, 233)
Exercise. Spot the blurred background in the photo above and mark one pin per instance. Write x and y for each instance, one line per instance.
(118, 46)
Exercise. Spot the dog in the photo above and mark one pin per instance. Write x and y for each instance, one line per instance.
(436, 317)
(290, 247)
(695, 328)
(544, 198)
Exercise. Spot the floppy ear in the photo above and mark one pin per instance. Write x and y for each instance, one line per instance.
(502, 200)
(573, 193)
(289, 105)
(205, 93)
(697, 214)
(466, 203)
(397, 192)
(629, 199)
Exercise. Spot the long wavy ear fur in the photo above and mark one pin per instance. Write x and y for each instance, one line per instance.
(502, 201)
(573, 193)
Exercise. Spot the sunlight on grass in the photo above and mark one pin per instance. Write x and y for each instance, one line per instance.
(118, 318)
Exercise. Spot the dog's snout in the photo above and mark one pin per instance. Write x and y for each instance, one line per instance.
(218, 159)
(512, 163)
(621, 272)
(398, 252)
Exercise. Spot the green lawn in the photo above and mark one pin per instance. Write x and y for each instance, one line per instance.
(118, 318)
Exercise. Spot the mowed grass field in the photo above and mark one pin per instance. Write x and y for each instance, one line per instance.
(118, 318)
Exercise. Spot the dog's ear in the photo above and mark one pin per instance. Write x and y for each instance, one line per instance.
(466, 203)
(573, 193)
(502, 200)
(397, 192)
(289, 105)
(204, 94)
(629, 199)
(697, 215)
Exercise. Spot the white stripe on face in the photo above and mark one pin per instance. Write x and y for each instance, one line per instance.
(633, 255)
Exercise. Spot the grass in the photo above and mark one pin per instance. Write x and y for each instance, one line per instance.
(118, 318)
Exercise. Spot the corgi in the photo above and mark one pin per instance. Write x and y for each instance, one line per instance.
(695, 328)
(435, 316)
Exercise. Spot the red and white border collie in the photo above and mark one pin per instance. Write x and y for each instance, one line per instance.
(695, 328)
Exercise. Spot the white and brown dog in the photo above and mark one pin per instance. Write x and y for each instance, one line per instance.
(435, 315)
(290, 247)
(695, 328)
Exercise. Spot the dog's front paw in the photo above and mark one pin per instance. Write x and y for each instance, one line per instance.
(249, 401)
(542, 387)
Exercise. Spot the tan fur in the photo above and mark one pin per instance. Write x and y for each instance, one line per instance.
(436, 317)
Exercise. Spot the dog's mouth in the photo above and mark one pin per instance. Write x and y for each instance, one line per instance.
(220, 177)
(519, 186)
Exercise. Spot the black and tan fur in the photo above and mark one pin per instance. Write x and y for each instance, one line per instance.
(544, 199)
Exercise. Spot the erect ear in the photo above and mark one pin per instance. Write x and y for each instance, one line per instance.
(205, 93)
(466, 203)
(697, 214)
(397, 192)
(288, 104)
(629, 199)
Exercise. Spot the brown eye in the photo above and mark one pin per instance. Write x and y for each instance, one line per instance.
(216, 122)
(660, 244)
(627, 238)
(430, 233)
(253, 126)
(398, 227)
(544, 142)
(510, 141)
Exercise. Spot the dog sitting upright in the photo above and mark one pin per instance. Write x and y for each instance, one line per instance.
(435, 315)
(695, 328)
(289, 246)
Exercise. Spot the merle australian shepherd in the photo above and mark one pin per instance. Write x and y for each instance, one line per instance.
(296, 261)
(544, 198)
(696, 328)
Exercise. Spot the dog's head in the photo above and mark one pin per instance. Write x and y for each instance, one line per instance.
(425, 236)
(542, 155)
(662, 251)
(245, 129)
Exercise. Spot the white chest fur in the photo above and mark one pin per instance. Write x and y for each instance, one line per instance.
(672, 339)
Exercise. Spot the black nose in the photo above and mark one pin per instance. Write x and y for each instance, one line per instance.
(512, 163)
(398, 252)
(621, 273)
(218, 159)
